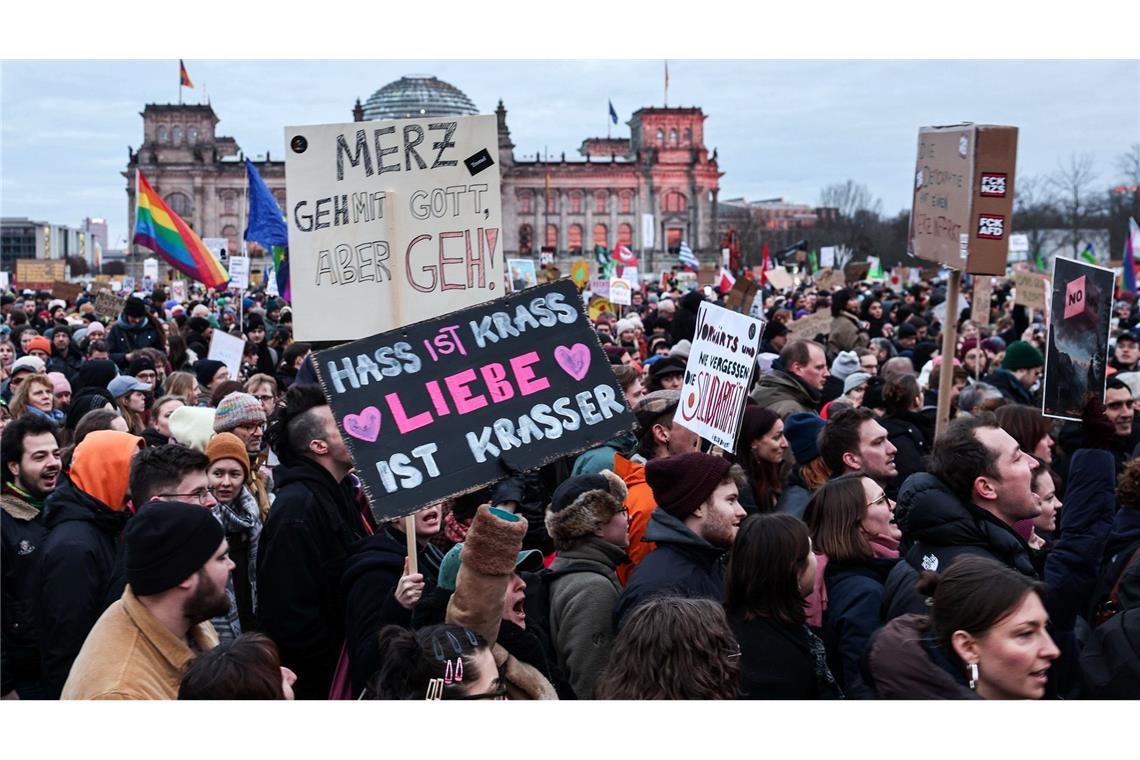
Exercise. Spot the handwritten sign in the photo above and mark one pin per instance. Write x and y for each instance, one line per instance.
(108, 306)
(227, 349)
(983, 294)
(827, 256)
(719, 374)
(397, 221)
(438, 408)
(621, 292)
(239, 272)
(1029, 290)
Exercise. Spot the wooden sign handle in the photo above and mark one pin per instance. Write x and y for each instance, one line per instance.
(410, 531)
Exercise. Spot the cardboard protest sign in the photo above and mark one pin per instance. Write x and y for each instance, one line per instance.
(439, 407)
(392, 221)
(980, 305)
(108, 306)
(742, 295)
(807, 327)
(1029, 290)
(39, 274)
(719, 374)
(830, 279)
(68, 291)
(963, 196)
(522, 274)
(779, 278)
(1076, 355)
(856, 271)
(227, 349)
(239, 272)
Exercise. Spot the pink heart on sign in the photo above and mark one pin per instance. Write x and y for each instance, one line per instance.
(574, 360)
(365, 426)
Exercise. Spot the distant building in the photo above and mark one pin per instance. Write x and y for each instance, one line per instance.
(23, 238)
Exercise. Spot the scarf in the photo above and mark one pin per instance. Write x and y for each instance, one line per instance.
(882, 547)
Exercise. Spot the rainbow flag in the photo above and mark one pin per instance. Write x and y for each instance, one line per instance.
(161, 230)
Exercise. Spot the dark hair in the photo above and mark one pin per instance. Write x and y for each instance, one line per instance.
(12, 441)
(765, 477)
(764, 566)
(294, 423)
(797, 352)
(223, 390)
(96, 419)
(839, 301)
(1128, 486)
(177, 355)
(834, 516)
(158, 468)
(958, 458)
(248, 667)
(411, 659)
(1025, 423)
(899, 393)
(294, 351)
(96, 345)
(973, 595)
(1042, 470)
(841, 435)
(1116, 384)
(673, 648)
(249, 348)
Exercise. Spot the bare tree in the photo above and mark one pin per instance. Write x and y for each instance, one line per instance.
(850, 198)
(1034, 212)
(1075, 201)
(1129, 166)
(858, 219)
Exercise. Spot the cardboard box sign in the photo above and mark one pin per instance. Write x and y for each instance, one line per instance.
(438, 408)
(963, 196)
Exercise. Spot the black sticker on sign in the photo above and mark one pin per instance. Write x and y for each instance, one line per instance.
(480, 161)
(991, 226)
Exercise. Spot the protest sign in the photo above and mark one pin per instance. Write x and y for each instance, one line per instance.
(1076, 352)
(742, 294)
(600, 288)
(809, 326)
(178, 290)
(983, 294)
(227, 349)
(220, 247)
(1018, 247)
(522, 274)
(856, 271)
(598, 305)
(68, 291)
(830, 279)
(239, 272)
(397, 221)
(5, 280)
(128, 285)
(580, 272)
(443, 406)
(621, 292)
(629, 274)
(108, 306)
(708, 274)
(546, 257)
(150, 269)
(827, 257)
(779, 278)
(39, 274)
(719, 374)
(1029, 290)
(963, 196)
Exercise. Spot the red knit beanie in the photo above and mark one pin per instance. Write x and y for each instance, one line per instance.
(683, 483)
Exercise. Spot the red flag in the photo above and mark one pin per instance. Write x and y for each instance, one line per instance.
(185, 76)
(726, 280)
(624, 256)
(764, 265)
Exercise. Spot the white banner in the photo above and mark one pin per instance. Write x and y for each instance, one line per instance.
(621, 292)
(227, 349)
(827, 256)
(630, 274)
(150, 269)
(647, 230)
(239, 272)
(393, 222)
(719, 374)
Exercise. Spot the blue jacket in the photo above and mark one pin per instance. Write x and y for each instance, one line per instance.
(854, 612)
(683, 564)
(1010, 387)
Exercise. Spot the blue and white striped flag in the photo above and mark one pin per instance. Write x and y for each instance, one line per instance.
(687, 257)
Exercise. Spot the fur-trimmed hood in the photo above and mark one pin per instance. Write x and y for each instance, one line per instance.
(575, 512)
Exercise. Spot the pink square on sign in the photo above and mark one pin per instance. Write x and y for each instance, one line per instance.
(1075, 297)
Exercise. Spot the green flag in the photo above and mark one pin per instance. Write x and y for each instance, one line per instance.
(1088, 255)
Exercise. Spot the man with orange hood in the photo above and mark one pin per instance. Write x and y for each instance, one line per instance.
(80, 575)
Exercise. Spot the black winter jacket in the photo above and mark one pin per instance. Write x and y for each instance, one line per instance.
(124, 338)
(368, 587)
(906, 431)
(301, 553)
(779, 661)
(683, 564)
(23, 534)
(80, 575)
(854, 612)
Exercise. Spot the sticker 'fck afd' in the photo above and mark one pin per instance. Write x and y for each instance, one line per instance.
(991, 226)
(993, 185)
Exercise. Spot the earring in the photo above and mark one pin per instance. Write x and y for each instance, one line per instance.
(973, 667)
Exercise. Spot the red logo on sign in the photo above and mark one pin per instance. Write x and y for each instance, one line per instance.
(991, 226)
(993, 185)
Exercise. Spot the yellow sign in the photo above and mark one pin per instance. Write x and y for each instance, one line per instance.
(580, 273)
(597, 306)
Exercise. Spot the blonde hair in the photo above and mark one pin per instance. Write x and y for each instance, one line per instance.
(19, 403)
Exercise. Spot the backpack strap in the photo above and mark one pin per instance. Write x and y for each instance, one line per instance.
(1111, 605)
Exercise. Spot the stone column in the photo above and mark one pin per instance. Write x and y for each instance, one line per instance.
(588, 232)
(563, 197)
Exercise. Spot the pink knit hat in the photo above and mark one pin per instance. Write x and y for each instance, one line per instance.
(59, 382)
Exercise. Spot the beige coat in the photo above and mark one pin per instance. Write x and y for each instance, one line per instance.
(130, 655)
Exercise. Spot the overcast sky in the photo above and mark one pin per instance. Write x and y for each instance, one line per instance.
(782, 128)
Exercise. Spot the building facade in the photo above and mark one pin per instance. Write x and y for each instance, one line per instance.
(23, 238)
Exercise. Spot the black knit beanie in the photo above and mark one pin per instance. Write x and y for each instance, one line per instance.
(134, 308)
(682, 483)
(167, 542)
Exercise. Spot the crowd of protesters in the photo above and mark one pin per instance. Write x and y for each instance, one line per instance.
(171, 531)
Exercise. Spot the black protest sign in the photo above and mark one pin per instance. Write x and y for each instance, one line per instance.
(1076, 356)
(435, 409)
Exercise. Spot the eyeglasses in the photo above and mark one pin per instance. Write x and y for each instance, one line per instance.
(882, 498)
(251, 426)
(263, 399)
(199, 496)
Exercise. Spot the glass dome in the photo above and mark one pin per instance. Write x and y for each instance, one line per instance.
(417, 96)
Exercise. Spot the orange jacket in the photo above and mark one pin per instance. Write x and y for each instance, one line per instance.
(640, 502)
